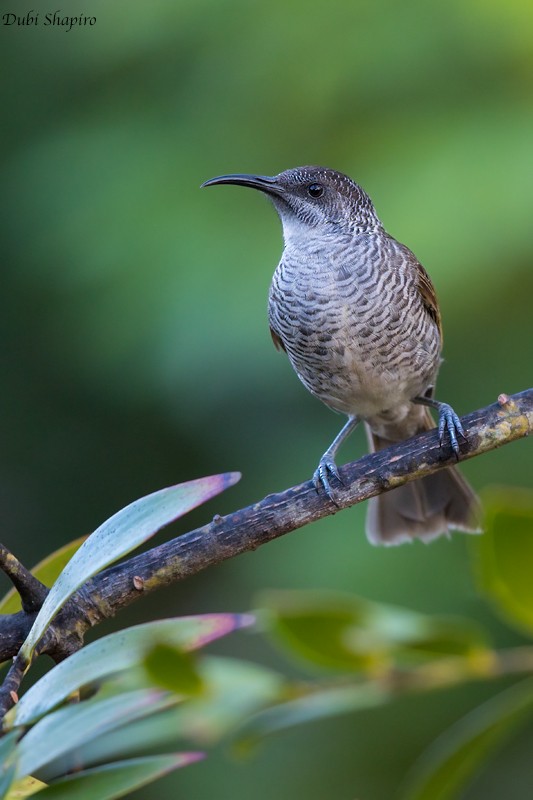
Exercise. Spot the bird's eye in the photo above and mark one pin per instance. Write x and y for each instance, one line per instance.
(315, 190)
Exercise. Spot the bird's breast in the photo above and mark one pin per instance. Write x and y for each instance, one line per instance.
(354, 329)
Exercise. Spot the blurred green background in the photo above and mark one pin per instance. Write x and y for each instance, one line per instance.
(135, 348)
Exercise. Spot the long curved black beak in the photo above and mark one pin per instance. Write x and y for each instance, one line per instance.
(264, 183)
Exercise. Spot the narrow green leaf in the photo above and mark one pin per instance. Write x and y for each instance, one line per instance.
(116, 652)
(173, 669)
(8, 761)
(453, 759)
(347, 633)
(133, 739)
(316, 705)
(116, 780)
(234, 690)
(46, 571)
(119, 535)
(69, 728)
(504, 554)
(25, 788)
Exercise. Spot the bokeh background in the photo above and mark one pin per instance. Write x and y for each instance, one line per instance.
(134, 344)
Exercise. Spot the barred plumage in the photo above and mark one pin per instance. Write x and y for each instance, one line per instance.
(382, 348)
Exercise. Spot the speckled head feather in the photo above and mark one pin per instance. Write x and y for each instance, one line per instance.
(322, 197)
(316, 197)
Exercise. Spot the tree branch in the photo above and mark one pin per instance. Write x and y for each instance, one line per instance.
(509, 419)
(31, 591)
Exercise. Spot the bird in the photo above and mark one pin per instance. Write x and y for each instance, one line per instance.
(358, 317)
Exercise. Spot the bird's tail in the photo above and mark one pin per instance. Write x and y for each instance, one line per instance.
(423, 509)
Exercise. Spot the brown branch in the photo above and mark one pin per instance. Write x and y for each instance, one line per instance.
(11, 684)
(278, 514)
(31, 591)
(509, 419)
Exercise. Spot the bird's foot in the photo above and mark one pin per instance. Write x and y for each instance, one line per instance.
(326, 467)
(449, 421)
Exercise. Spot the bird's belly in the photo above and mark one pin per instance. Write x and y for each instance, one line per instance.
(361, 348)
(365, 370)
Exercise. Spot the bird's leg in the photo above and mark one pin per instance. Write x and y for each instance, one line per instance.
(448, 420)
(327, 464)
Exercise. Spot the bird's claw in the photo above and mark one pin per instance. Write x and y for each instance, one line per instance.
(449, 421)
(326, 467)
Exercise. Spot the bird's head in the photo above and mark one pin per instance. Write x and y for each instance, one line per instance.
(312, 200)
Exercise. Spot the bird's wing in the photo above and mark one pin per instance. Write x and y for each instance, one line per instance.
(423, 283)
(429, 298)
(278, 344)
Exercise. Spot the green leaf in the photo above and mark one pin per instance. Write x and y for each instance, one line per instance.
(504, 554)
(8, 761)
(345, 632)
(133, 739)
(173, 669)
(116, 652)
(454, 757)
(118, 779)
(25, 788)
(234, 690)
(316, 705)
(46, 571)
(119, 535)
(69, 728)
